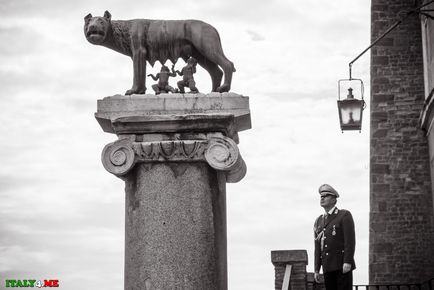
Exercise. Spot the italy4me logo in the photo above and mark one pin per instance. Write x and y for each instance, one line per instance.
(32, 283)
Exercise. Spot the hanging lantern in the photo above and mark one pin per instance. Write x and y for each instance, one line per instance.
(351, 109)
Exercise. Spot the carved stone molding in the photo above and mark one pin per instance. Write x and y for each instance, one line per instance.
(179, 150)
(220, 152)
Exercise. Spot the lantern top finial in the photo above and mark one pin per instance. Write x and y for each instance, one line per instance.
(350, 94)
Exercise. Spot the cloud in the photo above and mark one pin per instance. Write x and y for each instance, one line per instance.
(16, 41)
(255, 36)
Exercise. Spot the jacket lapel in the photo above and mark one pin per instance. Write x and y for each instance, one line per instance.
(331, 217)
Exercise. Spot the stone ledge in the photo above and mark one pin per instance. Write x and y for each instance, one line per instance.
(289, 256)
(169, 105)
(175, 124)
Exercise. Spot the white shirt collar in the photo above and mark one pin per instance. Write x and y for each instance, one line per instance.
(331, 211)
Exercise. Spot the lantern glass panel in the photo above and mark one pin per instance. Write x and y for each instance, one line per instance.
(351, 114)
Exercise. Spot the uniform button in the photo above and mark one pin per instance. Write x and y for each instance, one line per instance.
(327, 254)
(326, 246)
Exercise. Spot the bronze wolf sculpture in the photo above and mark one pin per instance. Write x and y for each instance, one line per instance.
(151, 40)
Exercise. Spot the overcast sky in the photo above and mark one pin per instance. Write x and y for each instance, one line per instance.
(62, 213)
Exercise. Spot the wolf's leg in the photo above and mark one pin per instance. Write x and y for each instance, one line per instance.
(139, 80)
(213, 69)
(211, 63)
(212, 53)
(228, 68)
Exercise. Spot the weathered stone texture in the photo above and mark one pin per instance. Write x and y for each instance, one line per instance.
(401, 218)
(175, 227)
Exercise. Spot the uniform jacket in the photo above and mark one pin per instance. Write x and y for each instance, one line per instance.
(334, 241)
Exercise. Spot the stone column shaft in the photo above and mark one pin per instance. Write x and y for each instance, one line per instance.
(175, 227)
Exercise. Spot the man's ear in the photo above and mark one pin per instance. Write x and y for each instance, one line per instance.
(107, 15)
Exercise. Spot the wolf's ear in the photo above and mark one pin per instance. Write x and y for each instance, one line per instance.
(107, 15)
(87, 17)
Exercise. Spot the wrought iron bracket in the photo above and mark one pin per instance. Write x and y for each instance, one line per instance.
(417, 10)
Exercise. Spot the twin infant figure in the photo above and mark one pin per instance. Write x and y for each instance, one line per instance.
(187, 78)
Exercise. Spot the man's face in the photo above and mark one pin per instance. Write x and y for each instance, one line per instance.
(327, 200)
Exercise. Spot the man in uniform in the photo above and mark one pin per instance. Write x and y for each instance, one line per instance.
(334, 242)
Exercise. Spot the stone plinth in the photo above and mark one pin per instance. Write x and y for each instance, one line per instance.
(159, 108)
(297, 259)
(175, 152)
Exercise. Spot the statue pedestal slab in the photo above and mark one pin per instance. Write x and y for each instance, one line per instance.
(175, 153)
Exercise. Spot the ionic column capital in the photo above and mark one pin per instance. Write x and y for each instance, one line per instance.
(219, 151)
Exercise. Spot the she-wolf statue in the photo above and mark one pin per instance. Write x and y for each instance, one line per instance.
(151, 40)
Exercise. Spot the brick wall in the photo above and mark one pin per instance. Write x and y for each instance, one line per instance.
(401, 217)
(298, 260)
